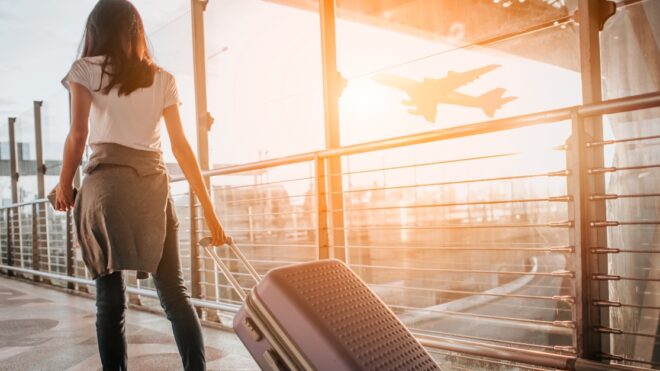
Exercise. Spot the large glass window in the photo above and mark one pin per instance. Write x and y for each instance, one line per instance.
(264, 80)
(409, 71)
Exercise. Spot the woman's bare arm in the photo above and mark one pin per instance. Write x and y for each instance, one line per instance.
(74, 146)
(191, 170)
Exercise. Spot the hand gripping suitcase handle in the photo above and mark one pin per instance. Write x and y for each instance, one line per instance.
(206, 242)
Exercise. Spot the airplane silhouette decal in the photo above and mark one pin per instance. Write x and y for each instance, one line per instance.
(426, 95)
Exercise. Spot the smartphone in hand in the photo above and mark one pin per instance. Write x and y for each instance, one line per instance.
(51, 196)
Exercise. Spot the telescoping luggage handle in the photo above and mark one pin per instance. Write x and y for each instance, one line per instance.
(206, 242)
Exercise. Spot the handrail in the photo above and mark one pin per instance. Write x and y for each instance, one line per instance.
(25, 203)
(611, 106)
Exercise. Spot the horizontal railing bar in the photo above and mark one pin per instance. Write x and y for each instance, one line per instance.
(614, 277)
(259, 165)
(615, 223)
(473, 293)
(270, 229)
(616, 331)
(615, 250)
(467, 248)
(276, 245)
(26, 203)
(231, 188)
(496, 351)
(616, 196)
(258, 215)
(450, 204)
(265, 198)
(613, 141)
(616, 304)
(614, 357)
(443, 162)
(483, 340)
(618, 105)
(565, 224)
(515, 177)
(544, 274)
(611, 169)
(474, 315)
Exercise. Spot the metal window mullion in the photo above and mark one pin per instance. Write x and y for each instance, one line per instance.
(591, 17)
(331, 91)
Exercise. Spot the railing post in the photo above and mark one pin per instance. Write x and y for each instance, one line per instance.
(36, 243)
(10, 257)
(13, 171)
(592, 15)
(322, 243)
(195, 287)
(70, 253)
(333, 83)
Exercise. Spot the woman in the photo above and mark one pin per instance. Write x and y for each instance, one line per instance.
(124, 214)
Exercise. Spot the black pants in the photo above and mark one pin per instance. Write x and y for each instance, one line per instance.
(111, 306)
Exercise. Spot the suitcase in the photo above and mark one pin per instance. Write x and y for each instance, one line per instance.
(319, 316)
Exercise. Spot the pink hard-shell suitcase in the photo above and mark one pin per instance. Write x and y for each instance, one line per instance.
(319, 316)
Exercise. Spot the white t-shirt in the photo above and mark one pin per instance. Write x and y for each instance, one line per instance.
(130, 120)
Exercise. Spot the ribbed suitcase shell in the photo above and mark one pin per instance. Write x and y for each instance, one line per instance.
(322, 316)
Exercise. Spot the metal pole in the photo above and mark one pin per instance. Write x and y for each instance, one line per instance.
(204, 119)
(322, 243)
(38, 211)
(332, 85)
(10, 258)
(13, 160)
(41, 166)
(194, 251)
(591, 17)
(70, 254)
(577, 181)
(36, 242)
(77, 177)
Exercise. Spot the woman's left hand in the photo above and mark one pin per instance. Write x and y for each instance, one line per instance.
(64, 197)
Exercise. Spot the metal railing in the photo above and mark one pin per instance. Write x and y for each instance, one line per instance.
(479, 254)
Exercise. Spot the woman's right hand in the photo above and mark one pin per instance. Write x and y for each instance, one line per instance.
(218, 236)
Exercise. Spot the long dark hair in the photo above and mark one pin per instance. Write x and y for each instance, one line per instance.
(115, 30)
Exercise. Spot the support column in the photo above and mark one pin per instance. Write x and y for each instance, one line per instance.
(204, 120)
(333, 83)
(13, 160)
(38, 210)
(592, 15)
(13, 212)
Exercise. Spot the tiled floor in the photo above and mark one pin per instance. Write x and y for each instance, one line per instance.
(47, 329)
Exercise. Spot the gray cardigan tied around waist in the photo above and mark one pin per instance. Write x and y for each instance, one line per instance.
(122, 209)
